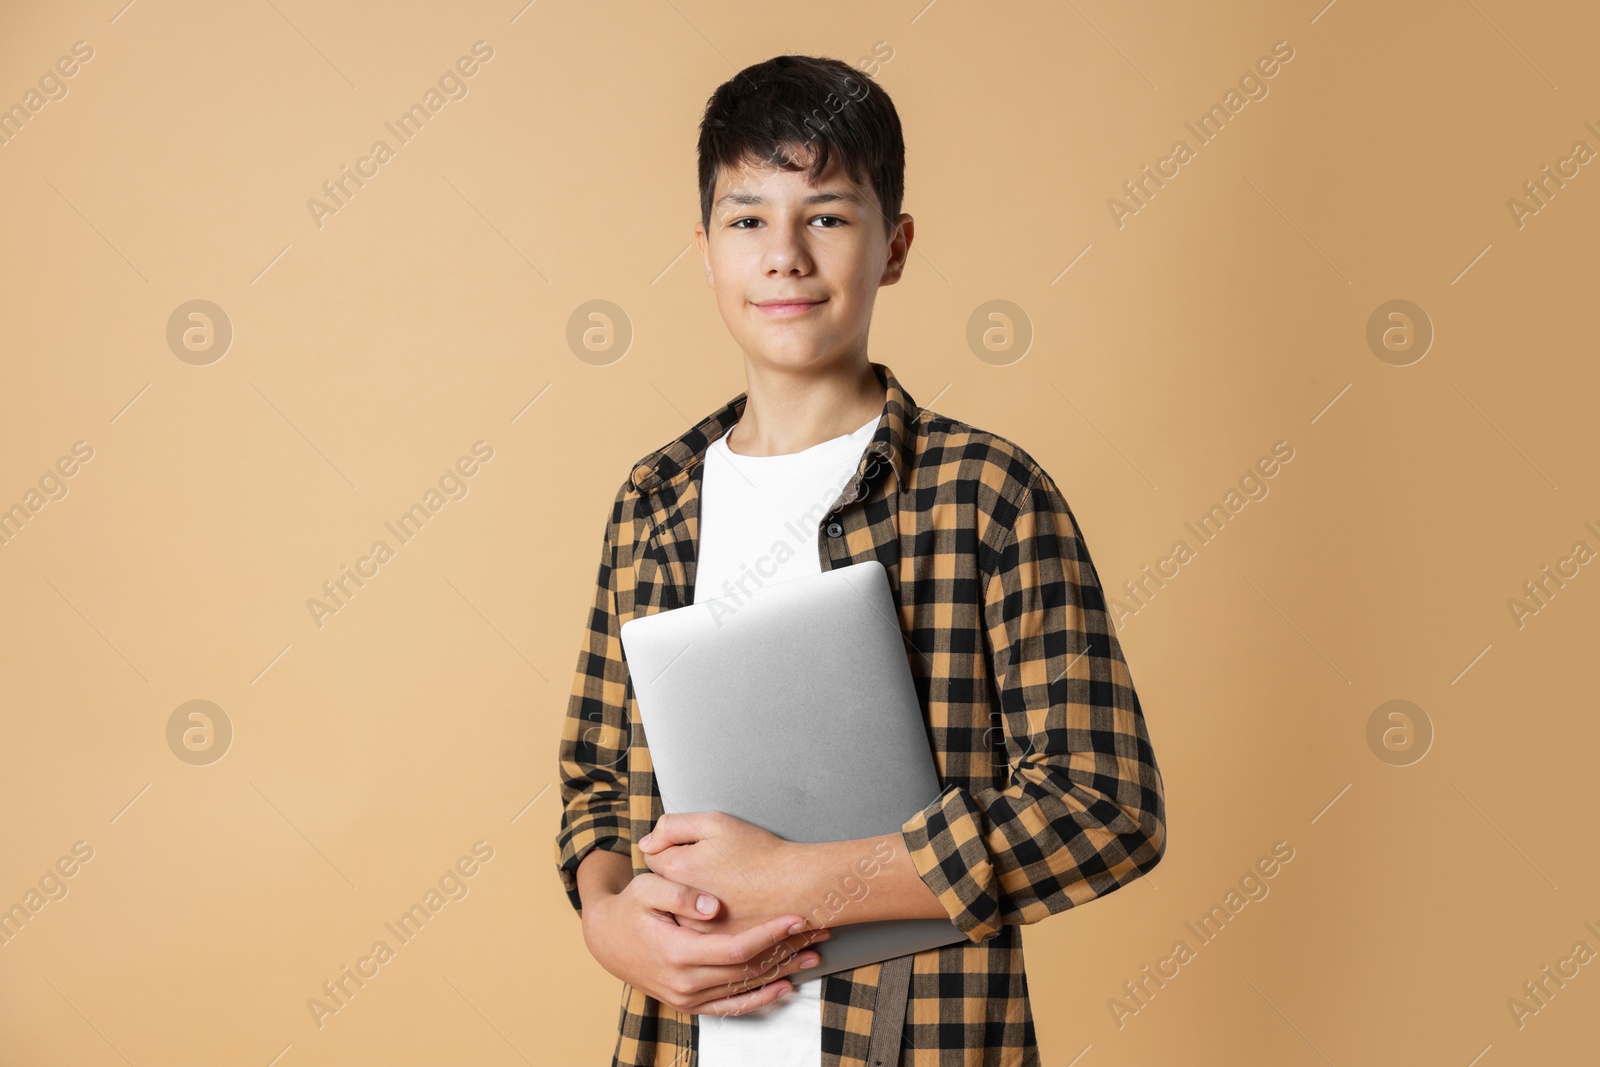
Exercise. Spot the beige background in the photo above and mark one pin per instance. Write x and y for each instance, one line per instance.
(432, 311)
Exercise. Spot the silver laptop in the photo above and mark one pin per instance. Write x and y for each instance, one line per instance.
(795, 710)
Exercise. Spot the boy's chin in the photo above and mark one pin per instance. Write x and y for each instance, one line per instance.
(790, 357)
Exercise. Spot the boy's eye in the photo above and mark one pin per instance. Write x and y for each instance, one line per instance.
(735, 223)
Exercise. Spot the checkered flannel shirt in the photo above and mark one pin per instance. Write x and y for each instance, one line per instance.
(1051, 794)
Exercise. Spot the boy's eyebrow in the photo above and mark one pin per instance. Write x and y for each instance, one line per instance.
(751, 199)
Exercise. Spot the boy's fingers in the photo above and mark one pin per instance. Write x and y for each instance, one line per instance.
(785, 958)
(770, 939)
(679, 899)
(673, 828)
(744, 1002)
(725, 981)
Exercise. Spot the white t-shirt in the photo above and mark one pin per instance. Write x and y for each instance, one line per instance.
(758, 526)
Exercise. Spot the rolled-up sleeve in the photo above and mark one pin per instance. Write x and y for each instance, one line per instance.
(595, 734)
(1083, 810)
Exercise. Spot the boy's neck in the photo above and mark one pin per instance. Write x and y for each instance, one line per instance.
(790, 412)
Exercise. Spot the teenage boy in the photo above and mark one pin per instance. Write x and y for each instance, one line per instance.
(1051, 796)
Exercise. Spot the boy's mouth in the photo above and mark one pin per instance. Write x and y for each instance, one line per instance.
(783, 309)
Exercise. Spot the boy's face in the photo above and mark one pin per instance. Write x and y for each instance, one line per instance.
(768, 245)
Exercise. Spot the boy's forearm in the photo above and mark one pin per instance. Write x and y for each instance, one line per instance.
(865, 880)
(603, 873)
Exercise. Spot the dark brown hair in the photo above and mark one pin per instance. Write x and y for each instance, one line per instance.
(777, 111)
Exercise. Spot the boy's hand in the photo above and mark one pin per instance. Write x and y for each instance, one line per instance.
(749, 870)
(635, 935)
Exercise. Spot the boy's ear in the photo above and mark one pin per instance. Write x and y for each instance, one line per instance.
(899, 250)
(700, 239)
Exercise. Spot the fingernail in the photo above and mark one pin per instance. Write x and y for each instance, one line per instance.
(810, 959)
(705, 904)
(787, 990)
(798, 928)
(644, 842)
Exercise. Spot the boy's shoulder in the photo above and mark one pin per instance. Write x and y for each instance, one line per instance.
(949, 450)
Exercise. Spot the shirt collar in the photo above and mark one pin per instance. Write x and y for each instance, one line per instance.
(891, 441)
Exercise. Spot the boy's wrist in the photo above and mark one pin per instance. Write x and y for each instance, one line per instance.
(828, 882)
(870, 879)
(601, 876)
(801, 865)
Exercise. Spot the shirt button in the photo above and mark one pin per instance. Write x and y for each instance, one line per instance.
(834, 529)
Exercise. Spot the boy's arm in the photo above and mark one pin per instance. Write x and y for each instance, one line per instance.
(595, 734)
(1083, 810)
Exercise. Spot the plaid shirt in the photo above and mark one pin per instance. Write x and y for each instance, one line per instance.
(1051, 794)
